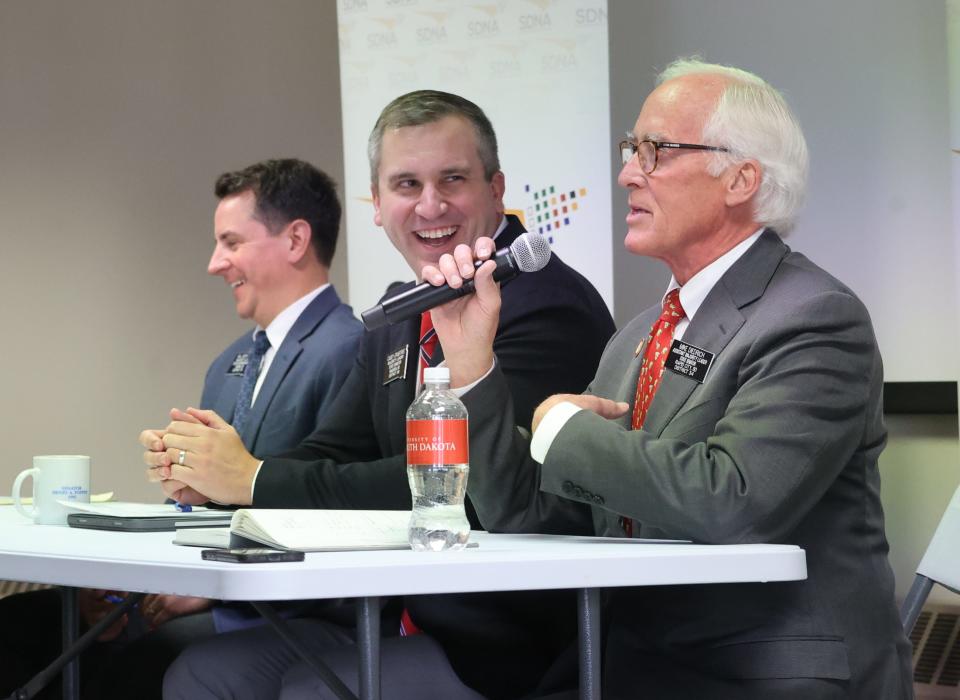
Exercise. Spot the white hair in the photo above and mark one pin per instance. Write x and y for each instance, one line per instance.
(753, 120)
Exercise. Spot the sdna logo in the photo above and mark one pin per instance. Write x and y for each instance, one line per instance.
(591, 15)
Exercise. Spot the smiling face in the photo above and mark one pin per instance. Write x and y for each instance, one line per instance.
(253, 262)
(677, 211)
(431, 193)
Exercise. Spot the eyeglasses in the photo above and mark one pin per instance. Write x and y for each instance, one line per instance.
(648, 151)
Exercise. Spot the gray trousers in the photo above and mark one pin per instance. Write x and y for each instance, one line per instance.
(256, 664)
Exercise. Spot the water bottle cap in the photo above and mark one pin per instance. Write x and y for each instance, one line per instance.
(436, 374)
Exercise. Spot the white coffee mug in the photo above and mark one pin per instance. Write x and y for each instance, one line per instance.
(55, 478)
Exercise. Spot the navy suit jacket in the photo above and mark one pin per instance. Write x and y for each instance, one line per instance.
(553, 327)
(302, 382)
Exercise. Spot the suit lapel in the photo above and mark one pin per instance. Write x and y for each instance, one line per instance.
(717, 321)
(286, 356)
(400, 392)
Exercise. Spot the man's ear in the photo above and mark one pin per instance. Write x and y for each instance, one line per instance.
(743, 181)
(298, 234)
(375, 193)
(498, 185)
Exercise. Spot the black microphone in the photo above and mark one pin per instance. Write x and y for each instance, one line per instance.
(528, 253)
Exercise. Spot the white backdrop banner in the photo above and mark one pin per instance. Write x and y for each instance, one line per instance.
(538, 68)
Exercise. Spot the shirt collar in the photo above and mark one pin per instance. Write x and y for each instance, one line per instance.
(695, 291)
(503, 225)
(283, 322)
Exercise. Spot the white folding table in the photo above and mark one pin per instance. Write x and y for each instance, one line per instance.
(150, 563)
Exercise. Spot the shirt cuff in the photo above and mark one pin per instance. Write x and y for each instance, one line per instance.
(253, 484)
(460, 391)
(549, 427)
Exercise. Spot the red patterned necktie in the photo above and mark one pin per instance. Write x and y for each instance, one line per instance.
(428, 342)
(651, 368)
(655, 356)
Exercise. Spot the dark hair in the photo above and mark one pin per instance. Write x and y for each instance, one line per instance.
(428, 106)
(286, 189)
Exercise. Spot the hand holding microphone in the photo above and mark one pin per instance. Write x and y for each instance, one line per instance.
(528, 253)
(466, 329)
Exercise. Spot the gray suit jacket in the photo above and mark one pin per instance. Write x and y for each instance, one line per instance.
(778, 444)
(303, 380)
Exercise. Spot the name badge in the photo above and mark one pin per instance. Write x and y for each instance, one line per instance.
(239, 364)
(689, 360)
(395, 366)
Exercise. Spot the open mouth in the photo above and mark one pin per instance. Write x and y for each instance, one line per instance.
(435, 236)
(238, 283)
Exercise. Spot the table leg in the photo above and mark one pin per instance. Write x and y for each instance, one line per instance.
(368, 644)
(70, 626)
(588, 607)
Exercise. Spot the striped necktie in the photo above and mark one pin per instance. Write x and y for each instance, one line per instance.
(250, 373)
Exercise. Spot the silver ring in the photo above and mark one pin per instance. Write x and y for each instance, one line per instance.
(182, 457)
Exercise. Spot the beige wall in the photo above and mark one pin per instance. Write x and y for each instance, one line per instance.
(919, 472)
(115, 118)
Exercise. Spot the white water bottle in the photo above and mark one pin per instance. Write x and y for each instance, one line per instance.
(438, 463)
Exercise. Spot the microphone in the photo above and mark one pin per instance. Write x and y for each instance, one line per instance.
(528, 253)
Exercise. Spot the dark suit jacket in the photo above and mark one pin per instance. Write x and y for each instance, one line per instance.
(302, 382)
(552, 330)
(779, 444)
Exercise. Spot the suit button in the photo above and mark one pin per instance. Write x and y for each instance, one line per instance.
(567, 486)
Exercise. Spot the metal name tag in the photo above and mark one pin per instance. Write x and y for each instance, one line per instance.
(395, 366)
(689, 360)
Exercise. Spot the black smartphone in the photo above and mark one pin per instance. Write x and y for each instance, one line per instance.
(251, 556)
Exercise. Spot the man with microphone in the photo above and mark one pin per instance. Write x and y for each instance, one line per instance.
(747, 407)
(436, 183)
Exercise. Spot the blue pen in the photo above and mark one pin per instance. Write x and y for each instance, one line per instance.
(116, 600)
(183, 507)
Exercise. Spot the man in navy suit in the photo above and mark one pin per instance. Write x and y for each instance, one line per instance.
(275, 228)
(436, 183)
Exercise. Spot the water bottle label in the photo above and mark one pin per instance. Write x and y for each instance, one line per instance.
(432, 442)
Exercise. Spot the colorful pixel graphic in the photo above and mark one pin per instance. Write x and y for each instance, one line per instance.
(550, 210)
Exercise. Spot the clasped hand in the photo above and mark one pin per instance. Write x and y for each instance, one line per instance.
(214, 465)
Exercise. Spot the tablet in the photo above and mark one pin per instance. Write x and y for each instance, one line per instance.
(153, 523)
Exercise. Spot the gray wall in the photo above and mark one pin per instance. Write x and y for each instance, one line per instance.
(868, 81)
(115, 118)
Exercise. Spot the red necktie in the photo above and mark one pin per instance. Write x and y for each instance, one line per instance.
(651, 368)
(655, 356)
(428, 348)
(428, 342)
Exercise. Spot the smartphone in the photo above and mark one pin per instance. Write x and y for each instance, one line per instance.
(251, 556)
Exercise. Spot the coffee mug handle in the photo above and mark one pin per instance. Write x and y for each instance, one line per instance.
(16, 492)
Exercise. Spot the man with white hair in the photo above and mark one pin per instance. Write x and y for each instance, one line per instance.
(765, 427)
